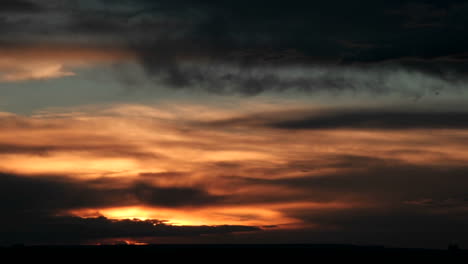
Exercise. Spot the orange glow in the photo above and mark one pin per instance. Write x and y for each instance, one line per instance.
(253, 214)
(33, 63)
(117, 241)
(194, 216)
(68, 164)
(169, 148)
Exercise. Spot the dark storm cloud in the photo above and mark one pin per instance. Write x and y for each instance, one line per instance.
(252, 35)
(247, 47)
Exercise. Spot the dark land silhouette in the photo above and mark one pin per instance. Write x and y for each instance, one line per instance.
(269, 249)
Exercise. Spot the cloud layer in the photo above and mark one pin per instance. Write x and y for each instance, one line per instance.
(360, 170)
(414, 48)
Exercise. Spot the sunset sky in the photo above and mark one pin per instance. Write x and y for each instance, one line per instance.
(177, 121)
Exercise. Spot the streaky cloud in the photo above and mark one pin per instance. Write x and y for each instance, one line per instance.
(378, 120)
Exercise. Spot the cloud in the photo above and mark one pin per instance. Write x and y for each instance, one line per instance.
(402, 205)
(58, 194)
(34, 209)
(228, 55)
(235, 57)
(366, 183)
(29, 62)
(19, 6)
(359, 118)
(111, 150)
(377, 191)
(46, 195)
(36, 72)
(394, 227)
(75, 230)
(384, 181)
(226, 48)
(233, 166)
(172, 197)
(375, 80)
(368, 119)
(346, 169)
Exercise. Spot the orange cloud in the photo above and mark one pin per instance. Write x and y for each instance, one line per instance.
(260, 174)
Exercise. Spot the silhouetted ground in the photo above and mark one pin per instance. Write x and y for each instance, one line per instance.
(230, 252)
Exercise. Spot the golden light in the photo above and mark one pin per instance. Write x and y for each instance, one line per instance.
(213, 216)
(68, 163)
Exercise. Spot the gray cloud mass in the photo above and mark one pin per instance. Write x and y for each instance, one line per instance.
(413, 48)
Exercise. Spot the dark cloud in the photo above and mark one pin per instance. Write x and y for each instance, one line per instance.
(19, 6)
(397, 226)
(240, 47)
(383, 181)
(52, 194)
(351, 118)
(391, 197)
(174, 196)
(30, 207)
(241, 32)
(379, 120)
(74, 230)
(44, 194)
(395, 204)
(401, 204)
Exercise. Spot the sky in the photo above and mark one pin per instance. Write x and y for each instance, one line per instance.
(177, 121)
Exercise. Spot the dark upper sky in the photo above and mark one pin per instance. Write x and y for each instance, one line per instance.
(168, 37)
(234, 121)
